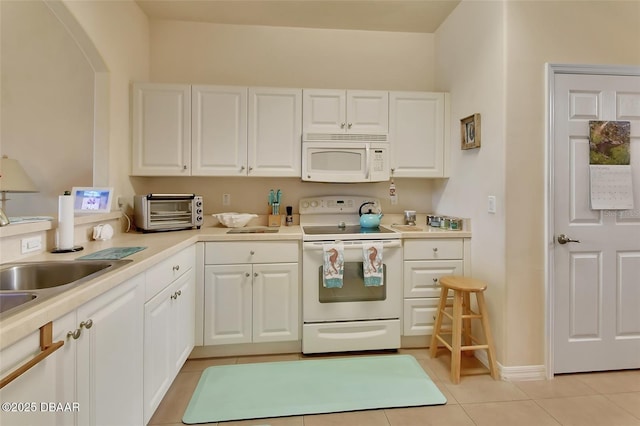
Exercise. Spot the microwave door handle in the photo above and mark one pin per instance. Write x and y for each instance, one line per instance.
(367, 154)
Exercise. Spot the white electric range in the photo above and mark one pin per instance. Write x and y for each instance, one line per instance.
(354, 317)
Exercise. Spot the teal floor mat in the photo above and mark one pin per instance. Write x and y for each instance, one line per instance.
(276, 389)
(113, 253)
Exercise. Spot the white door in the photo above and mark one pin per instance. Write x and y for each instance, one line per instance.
(161, 129)
(275, 302)
(219, 131)
(227, 304)
(275, 131)
(595, 282)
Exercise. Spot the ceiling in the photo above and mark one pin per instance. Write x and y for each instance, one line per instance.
(421, 16)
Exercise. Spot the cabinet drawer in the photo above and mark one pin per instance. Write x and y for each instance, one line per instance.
(422, 277)
(165, 272)
(433, 249)
(220, 253)
(419, 316)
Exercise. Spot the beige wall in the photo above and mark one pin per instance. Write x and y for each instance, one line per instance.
(496, 66)
(120, 32)
(470, 67)
(191, 52)
(46, 105)
(600, 32)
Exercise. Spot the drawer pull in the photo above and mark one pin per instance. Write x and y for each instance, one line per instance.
(75, 334)
(47, 347)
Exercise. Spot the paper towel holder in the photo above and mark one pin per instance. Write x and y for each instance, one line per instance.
(67, 249)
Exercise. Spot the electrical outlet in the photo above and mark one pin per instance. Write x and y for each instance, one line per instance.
(29, 245)
(491, 204)
(226, 199)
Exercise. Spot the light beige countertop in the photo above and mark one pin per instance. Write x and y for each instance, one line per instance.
(159, 246)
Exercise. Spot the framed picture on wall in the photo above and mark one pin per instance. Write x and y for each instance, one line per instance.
(470, 132)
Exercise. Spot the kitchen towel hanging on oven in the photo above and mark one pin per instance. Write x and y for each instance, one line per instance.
(372, 266)
(333, 265)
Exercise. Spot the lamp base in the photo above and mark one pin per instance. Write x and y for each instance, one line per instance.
(67, 250)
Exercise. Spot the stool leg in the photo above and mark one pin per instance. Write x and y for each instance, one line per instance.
(456, 336)
(482, 307)
(444, 292)
(466, 323)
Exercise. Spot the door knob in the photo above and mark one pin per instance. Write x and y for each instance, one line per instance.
(563, 239)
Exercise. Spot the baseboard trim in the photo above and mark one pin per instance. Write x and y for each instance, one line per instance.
(515, 373)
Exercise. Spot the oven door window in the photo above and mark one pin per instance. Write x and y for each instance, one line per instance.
(353, 288)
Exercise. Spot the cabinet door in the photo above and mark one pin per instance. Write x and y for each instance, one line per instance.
(324, 111)
(158, 349)
(275, 302)
(161, 130)
(184, 318)
(51, 380)
(109, 357)
(367, 111)
(227, 304)
(417, 122)
(275, 132)
(219, 131)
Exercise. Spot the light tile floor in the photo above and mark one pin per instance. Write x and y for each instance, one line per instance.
(593, 399)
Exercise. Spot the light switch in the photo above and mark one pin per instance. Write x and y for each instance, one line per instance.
(491, 205)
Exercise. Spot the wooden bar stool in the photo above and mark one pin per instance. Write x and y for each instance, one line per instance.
(461, 337)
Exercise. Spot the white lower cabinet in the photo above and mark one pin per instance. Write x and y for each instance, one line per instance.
(248, 300)
(425, 262)
(169, 325)
(51, 380)
(109, 357)
(97, 372)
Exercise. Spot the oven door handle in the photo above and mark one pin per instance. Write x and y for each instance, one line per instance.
(318, 245)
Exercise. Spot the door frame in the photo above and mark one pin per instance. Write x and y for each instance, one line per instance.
(551, 71)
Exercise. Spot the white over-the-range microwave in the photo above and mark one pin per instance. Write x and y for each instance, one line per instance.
(345, 158)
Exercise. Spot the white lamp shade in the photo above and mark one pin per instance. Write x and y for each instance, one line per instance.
(13, 178)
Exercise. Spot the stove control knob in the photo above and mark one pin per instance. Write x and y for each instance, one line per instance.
(305, 204)
(314, 204)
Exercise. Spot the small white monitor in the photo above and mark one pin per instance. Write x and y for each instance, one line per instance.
(91, 200)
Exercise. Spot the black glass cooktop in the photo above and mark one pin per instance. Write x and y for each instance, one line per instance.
(349, 229)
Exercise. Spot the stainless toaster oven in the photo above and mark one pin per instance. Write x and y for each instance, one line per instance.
(167, 212)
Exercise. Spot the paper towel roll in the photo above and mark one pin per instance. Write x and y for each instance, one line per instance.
(65, 222)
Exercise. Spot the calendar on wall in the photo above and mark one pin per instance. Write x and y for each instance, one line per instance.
(610, 171)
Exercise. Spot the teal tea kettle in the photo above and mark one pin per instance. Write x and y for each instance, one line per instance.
(369, 219)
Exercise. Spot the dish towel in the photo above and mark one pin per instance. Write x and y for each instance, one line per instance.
(372, 263)
(333, 264)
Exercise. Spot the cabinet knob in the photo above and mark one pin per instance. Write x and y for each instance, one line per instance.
(87, 324)
(350, 124)
(174, 296)
(75, 334)
(184, 167)
(252, 252)
(342, 125)
(176, 268)
(247, 274)
(179, 292)
(435, 249)
(242, 168)
(250, 168)
(255, 274)
(435, 280)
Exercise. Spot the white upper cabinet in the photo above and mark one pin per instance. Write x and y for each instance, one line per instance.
(161, 129)
(219, 131)
(350, 111)
(418, 134)
(275, 132)
(184, 130)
